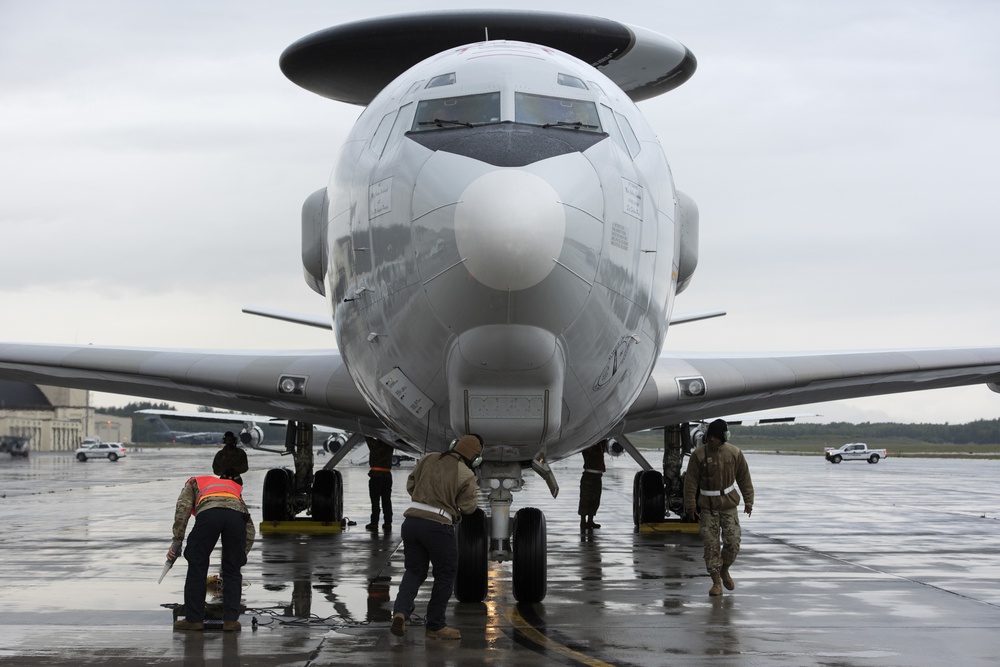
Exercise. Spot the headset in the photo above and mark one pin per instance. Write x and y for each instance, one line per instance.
(476, 462)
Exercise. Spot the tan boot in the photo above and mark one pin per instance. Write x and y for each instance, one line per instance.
(231, 626)
(444, 633)
(727, 580)
(716, 588)
(184, 624)
(398, 626)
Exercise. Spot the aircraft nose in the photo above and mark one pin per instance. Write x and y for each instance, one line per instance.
(509, 229)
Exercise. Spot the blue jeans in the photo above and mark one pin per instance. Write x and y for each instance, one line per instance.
(426, 543)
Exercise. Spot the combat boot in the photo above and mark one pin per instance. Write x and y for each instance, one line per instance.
(184, 624)
(727, 579)
(398, 626)
(716, 588)
(444, 633)
(231, 626)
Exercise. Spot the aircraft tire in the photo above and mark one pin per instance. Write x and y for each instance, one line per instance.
(647, 497)
(277, 486)
(473, 551)
(327, 496)
(530, 560)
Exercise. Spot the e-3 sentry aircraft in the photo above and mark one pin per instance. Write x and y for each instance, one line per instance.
(501, 244)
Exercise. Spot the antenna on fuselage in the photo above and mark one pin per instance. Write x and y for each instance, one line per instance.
(486, 28)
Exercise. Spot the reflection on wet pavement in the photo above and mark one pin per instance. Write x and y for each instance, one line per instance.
(891, 564)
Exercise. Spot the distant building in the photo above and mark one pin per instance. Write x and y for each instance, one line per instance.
(55, 418)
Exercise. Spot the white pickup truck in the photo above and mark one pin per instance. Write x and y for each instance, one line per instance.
(854, 451)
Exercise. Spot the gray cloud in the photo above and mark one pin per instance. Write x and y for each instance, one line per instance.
(843, 156)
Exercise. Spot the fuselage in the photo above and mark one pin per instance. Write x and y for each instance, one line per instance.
(502, 251)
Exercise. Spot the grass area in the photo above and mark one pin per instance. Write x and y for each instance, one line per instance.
(805, 446)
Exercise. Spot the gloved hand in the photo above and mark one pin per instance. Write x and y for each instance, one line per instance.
(174, 551)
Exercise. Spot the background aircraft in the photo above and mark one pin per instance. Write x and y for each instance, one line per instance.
(540, 327)
(164, 432)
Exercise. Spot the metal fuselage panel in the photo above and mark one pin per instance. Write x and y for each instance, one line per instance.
(491, 273)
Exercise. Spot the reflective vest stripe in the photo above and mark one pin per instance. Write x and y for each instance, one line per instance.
(209, 487)
(430, 508)
(726, 491)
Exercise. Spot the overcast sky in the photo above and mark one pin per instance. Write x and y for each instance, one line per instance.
(843, 155)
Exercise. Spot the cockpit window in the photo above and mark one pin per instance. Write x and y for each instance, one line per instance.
(571, 81)
(442, 80)
(449, 112)
(556, 112)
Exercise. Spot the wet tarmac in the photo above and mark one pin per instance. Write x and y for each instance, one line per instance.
(869, 565)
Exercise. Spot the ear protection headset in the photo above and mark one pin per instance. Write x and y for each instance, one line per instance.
(474, 463)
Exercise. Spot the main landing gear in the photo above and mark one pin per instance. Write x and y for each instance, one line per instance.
(657, 495)
(287, 493)
(497, 538)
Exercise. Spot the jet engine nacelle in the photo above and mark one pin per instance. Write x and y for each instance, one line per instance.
(333, 443)
(314, 254)
(616, 449)
(251, 436)
(686, 217)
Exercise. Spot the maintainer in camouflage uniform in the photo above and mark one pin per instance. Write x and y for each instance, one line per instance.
(219, 511)
(591, 485)
(380, 483)
(713, 474)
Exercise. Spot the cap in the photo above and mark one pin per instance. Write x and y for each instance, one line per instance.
(469, 447)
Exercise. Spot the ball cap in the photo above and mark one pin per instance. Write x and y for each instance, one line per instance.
(468, 447)
(718, 429)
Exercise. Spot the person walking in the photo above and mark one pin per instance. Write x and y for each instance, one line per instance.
(380, 483)
(230, 461)
(442, 487)
(714, 472)
(219, 511)
(591, 485)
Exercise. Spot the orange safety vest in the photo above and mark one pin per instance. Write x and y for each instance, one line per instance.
(213, 486)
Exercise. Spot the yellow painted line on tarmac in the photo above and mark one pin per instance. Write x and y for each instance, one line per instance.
(532, 634)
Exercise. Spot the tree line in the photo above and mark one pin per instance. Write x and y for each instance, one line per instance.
(979, 432)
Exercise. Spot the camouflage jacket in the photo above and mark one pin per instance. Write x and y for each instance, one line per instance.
(717, 469)
(232, 459)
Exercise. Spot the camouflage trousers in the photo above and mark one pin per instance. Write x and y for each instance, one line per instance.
(713, 523)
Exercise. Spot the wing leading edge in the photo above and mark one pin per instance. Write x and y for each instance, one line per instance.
(305, 385)
(689, 388)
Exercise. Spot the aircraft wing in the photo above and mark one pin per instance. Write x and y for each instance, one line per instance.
(684, 389)
(307, 385)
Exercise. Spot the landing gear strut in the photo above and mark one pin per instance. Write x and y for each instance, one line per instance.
(287, 493)
(496, 538)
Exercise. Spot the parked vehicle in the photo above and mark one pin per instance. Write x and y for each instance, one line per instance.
(16, 445)
(111, 451)
(854, 451)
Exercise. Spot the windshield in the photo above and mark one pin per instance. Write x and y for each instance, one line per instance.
(556, 112)
(465, 111)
